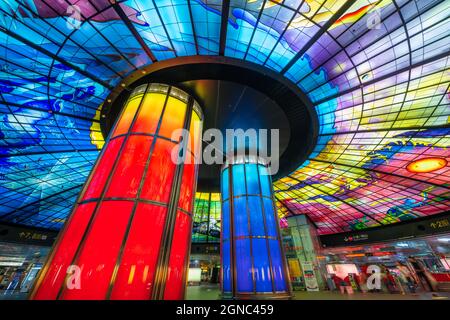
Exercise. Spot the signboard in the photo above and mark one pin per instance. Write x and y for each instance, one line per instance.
(194, 275)
(353, 282)
(310, 277)
(205, 248)
(19, 234)
(403, 230)
(294, 268)
(440, 224)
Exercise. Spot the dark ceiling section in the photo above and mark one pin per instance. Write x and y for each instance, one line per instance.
(260, 91)
(230, 105)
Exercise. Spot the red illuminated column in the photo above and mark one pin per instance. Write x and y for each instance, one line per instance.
(129, 234)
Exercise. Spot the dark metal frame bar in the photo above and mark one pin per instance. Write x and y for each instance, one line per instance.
(318, 34)
(133, 31)
(224, 26)
(171, 217)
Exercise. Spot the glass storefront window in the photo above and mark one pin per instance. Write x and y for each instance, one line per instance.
(19, 266)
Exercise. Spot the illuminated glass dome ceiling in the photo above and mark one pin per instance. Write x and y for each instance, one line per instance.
(381, 91)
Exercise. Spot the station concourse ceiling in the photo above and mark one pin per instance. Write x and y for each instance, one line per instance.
(376, 72)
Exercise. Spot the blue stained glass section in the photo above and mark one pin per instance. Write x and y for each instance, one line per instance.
(271, 223)
(261, 266)
(226, 266)
(277, 266)
(251, 175)
(225, 184)
(240, 217)
(239, 34)
(206, 20)
(226, 220)
(238, 180)
(256, 217)
(151, 29)
(264, 179)
(176, 17)
(244, 266)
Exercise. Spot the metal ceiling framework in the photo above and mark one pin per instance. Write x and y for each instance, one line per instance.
(23, 16)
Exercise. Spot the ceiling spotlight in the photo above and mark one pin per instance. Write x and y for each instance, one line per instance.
(426, 165)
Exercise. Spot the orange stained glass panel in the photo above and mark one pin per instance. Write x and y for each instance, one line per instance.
(127, 116)
(173, 117)
(149, 113)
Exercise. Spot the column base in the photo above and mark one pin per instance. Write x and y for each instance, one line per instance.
(257, 296)
(226, 296)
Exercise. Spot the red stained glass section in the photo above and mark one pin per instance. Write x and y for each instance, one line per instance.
(129, 170)
(102, 241)
(65, 252)
(103, 169)
(99, 254)
(174, 289)
(158, 181)
(135, 276)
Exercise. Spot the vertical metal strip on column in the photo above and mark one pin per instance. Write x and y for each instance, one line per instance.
(175, 210)
(222, 200)
(138, 194)
(232, 244)
(194, 192)
(265, 226)
(221, 236)
(166, 245)
(105, 187)
(187, 258)
(208, 218)
(280, 241)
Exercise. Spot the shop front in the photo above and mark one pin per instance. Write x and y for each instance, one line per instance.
(19, 266)
(404, 267)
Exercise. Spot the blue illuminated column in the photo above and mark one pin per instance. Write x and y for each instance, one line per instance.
(253, 263)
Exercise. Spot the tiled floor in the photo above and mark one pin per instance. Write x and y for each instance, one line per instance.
(327, 295)
(12, 296)
(203, 292)
(212, 293)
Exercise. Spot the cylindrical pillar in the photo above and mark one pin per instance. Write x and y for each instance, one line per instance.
(253, 263)
(129, 234)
